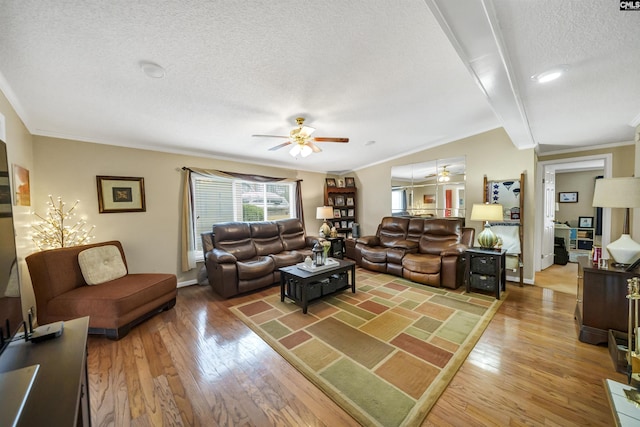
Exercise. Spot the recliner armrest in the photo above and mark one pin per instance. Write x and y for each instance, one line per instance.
(222, 257)
(309, 241)
(455, 250)
(369, 240)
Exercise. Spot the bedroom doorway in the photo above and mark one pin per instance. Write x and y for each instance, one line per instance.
(547, 203)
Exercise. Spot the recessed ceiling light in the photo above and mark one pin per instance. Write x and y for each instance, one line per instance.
(151, 69)
(550, 75)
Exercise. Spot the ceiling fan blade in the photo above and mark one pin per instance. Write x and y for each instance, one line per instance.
(277, 147)
(271, 136)
(326, 139)
(307, 130)
(314, 147)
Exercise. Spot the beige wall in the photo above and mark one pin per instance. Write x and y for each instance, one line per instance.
(20, 152)
(491, 153)
(151, 239)
(583, 183)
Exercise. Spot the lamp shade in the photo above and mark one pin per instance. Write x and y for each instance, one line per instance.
(324, 212)
(617, 193)
(487, 212)
(620, 193)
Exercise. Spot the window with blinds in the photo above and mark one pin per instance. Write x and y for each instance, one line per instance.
(221, 200)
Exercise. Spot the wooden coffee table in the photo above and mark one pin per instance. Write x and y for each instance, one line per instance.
(305, 285)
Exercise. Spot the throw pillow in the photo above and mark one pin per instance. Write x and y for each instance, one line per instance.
(101, 264)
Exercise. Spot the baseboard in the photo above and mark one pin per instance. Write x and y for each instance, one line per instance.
(187, 283)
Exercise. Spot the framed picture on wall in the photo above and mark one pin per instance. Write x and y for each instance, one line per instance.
(585, 222)
(568, 197)
(120, 194)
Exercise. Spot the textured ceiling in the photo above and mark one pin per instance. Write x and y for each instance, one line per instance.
(407, 74)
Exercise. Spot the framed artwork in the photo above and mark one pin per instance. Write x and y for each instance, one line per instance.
(343, 212)
(341, 183)
(349, 201)
(585, 222)
(331, 182)
(120, 194)
(5, 195)
(336, 224)
(336, 213)
(568, 197)
(339, 200)
(349, 181)
(343, 224)
(351, 212)
(428, 198)
(329, 201)
(21, 184)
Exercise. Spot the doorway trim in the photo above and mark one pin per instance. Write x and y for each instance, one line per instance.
(563, 164)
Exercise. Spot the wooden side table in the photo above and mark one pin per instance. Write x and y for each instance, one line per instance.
(486, 269)
(337, 247)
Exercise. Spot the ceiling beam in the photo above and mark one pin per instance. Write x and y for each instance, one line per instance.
(473, 30)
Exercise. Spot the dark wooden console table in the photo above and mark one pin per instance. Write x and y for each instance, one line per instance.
(601, 301)
(60, 394)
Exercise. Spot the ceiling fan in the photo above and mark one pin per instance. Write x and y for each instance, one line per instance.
(444, 175)
(302, 140)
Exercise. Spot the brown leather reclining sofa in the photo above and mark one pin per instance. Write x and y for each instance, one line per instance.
(244, 256)
(425, 250)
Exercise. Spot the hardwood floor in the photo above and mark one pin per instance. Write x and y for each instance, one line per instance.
(199, 365)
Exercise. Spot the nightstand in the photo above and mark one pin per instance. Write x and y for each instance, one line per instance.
(337, 247)
(485, 269)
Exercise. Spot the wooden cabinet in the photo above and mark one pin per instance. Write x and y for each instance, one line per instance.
(343, 200)
(601, 301)
(60, 393)
(485, 269)
(337, 247)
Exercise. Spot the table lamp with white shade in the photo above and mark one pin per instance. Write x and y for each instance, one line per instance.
(620, 193)
(324, 212)
(487, 212)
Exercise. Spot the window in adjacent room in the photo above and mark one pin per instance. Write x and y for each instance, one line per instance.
(221, 200)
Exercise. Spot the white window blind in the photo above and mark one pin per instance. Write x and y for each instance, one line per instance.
(221, 200)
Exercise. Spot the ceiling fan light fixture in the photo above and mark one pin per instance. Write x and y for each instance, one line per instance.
(305, 151)
(295, 150)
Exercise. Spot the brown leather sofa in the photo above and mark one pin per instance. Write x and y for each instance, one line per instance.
(244, 256)
(425, 250)
(113, 307)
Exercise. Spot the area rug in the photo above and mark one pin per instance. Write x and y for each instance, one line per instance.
(385, 353)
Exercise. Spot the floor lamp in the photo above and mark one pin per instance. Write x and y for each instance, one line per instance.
(620, 193)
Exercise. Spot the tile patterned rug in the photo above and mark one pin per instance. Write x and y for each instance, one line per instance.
(385, 353)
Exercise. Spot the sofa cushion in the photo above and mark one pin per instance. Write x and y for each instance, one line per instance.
(375, 254)
(101, 264)
(392, 230)
(266, 238)
(421, 263)
(255, 268)
(235, 238)
(292, 233)
(114, 302)
(286, 258)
